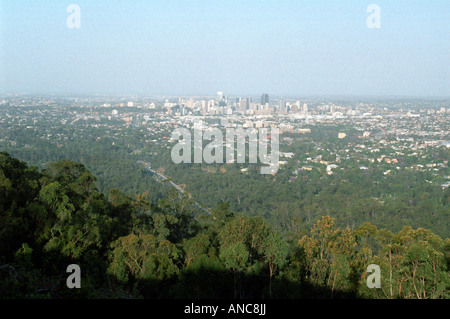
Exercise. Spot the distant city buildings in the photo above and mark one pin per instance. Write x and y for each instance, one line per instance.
(395, 135)
(265, 99)
(282, 106)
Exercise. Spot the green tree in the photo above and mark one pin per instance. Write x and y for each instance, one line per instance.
(275, 253)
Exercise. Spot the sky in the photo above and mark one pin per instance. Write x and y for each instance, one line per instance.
(247, 47)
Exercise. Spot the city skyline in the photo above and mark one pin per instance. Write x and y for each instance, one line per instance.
(287, 48)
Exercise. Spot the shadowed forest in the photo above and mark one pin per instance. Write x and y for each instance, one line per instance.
(131, 247)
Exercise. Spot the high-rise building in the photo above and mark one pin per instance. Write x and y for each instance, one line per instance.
(211, 104)
(294, 108)
(282, 108)
(264, 99)
(243, 105)
(204, 107)
(190, 103)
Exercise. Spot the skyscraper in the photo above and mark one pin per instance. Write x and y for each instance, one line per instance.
(204, 107)
(243, 105)
(294, 108)
(282, 108)
(264, 99)
(249, 102)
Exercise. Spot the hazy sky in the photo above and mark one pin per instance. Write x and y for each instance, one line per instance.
(238, 47)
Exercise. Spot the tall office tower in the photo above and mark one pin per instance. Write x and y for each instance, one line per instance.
(190, 103)
(294, 108)
(219, 96)
(282, 108)
(305, 108)
(204, 107)
(211, 104)
(243, 105)
(249, 102)
(264, 99)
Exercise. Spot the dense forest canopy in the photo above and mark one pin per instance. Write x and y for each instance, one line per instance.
(387, 195)
(134, 247)
(77, 189)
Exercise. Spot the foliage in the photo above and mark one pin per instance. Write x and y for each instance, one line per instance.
(132, 247)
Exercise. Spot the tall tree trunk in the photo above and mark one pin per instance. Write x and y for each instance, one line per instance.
(270, 280)
(390, 273)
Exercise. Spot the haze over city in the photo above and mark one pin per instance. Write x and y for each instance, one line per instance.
(280, 153)
(241, 47)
